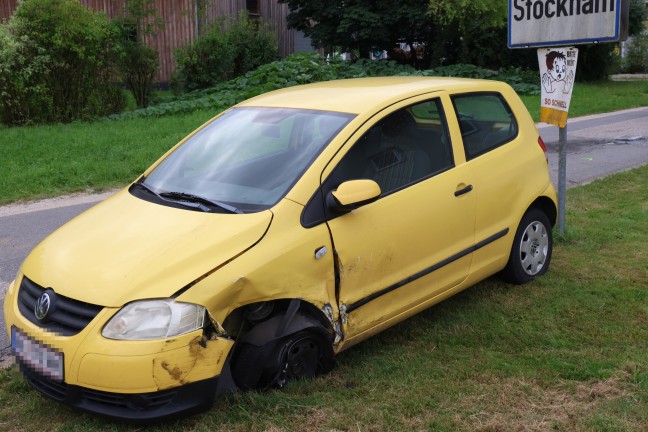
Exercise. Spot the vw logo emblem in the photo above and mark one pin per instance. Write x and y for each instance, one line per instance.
(42, 306)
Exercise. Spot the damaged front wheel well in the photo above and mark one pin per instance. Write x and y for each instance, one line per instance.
(242, 319)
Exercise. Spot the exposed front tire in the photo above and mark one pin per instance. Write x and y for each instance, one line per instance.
(304, 354)
(531, 250)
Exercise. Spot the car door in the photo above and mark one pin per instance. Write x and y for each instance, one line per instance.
(498, 156)
(414, 242)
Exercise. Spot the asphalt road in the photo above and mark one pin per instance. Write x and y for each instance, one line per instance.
(597, 146)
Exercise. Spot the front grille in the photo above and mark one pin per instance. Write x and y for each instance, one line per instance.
(66, 316)
(135, 402)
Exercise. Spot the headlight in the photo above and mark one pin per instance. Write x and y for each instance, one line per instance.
(154, 319)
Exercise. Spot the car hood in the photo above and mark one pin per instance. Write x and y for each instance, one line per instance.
(126, 249)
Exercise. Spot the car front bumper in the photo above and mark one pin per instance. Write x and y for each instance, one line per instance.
(133, 408)
(136, 381)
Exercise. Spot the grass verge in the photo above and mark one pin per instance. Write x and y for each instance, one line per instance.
(44, 161)
(602, 97)
(567, 352)
(50, 160)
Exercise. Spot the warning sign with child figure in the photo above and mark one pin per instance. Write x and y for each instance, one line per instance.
(557, 74)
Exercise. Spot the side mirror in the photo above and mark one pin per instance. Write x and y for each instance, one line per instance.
(352, 194)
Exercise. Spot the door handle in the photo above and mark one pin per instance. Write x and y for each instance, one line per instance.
(464, 190)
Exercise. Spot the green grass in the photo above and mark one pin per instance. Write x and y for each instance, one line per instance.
(593, 98)
(566, 352)
(45, 161)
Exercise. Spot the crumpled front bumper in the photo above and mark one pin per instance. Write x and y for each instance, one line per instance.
(136, 381)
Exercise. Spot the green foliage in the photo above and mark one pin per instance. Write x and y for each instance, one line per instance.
(229, 49)
(443, 32)
(138, 67)
(470, 14)
(68, 53)
(636, 59)
(362, 25)
(138, 63)
(20, 89)
(595, 62)
(638, 15)
(305, 68)
(142, 16)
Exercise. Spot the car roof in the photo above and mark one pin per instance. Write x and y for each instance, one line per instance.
(361, 94)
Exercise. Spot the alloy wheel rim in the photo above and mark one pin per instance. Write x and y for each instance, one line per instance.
(534, 248)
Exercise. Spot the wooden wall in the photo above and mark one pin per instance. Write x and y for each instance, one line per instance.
(6, 8)
(182, 23)
(275, 14)
(179, 30)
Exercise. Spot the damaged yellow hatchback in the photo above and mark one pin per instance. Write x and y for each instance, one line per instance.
(283, 231)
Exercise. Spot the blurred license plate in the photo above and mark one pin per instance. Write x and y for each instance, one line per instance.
(43, 359)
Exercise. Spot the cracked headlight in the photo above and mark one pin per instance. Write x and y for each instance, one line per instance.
(154, 319)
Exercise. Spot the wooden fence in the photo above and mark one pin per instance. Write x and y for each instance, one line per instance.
(182, 22)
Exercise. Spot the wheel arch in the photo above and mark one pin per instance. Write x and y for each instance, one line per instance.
(285, 316)
(547, 206)
(258, 356)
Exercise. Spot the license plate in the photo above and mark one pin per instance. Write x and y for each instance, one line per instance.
(43, 359)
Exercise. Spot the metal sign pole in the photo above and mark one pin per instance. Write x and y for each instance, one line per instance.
(562, 177)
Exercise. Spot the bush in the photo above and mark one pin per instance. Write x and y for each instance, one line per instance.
(230, 48)
(58, 59)
(138, 62)
(19, 96)
(636, 59)
(304, 68)
(138, 66)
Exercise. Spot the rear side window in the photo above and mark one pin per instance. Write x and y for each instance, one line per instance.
(485, 120)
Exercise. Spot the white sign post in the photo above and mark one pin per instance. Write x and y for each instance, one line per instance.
(552, 23)
(557, 75)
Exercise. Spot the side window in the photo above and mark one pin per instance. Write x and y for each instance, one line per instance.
(403, 148)
(485, 120)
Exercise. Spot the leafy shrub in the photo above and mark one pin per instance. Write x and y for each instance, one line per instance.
(57, 62)
(304, 68)
(595, 62)
(138, 63)
(636, 59)
(18, 95)
(230, 48)
(138, 66)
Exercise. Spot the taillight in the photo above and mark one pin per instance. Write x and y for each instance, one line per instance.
(543, 147)
(542, 144)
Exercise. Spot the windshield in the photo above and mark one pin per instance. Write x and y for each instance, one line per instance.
(247, 158)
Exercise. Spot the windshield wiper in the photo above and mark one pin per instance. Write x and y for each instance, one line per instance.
(205, 204)
(140, 184)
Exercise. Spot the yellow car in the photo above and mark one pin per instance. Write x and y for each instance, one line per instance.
(283, 231)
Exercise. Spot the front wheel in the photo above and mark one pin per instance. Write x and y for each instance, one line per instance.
(531, 250)
(304, 354)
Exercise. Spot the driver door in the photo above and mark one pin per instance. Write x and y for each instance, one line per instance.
(399, 253)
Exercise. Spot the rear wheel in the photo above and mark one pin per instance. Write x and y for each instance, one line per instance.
(304, 354)
(531, 250)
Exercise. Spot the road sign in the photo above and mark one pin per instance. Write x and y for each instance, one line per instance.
(557, 74)
(538, 23)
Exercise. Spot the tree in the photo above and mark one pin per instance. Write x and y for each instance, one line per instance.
(470, 31)
(138, 61)
(638, 15)
(470, 15)
(360, 26)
